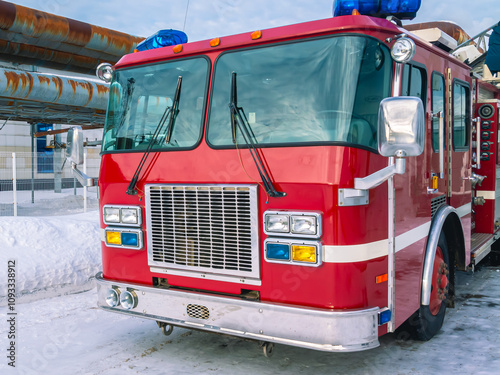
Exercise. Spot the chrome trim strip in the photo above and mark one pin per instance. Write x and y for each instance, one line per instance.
(206, 276)
(313, 328)
(430, 252)
(398, 75)
(391, 248)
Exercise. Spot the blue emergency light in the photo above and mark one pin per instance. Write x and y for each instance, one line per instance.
(130, 239)
(402, 9)
(277, 251)
(163, 38)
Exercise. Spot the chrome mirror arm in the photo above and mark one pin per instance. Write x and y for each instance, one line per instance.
(379, 177)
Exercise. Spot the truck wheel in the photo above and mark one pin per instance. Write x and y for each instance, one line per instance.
(428, 320)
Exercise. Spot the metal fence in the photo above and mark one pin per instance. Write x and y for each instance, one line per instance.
(41, 184)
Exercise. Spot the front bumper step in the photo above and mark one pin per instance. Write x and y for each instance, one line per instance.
(313, 328)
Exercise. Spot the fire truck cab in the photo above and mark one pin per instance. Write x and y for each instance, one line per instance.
(315, 185)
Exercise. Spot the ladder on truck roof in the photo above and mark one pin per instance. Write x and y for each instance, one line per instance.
(451, 38)
(474, 52)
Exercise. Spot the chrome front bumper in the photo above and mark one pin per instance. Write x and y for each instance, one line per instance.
(327, 330)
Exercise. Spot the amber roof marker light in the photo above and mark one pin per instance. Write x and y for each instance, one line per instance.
(256, 35)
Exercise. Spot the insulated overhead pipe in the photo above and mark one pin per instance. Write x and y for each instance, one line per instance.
(34, 37)
(37, 97)
(47, 88)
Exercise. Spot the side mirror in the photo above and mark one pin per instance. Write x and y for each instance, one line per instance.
(74, 145)
(74, 153)
(401, 133)
(401, 126)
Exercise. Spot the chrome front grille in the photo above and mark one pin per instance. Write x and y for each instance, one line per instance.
(203, 228)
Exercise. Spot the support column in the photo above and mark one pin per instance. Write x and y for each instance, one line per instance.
(57, 161)
(33, 130)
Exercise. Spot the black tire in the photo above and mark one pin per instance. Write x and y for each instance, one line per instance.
(428, 320)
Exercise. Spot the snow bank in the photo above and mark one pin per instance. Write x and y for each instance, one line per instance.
(54, 255)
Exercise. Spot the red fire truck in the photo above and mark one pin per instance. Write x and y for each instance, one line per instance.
(315, 185)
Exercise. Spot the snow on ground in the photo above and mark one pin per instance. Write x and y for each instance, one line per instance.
(54, 255)
(69, 335)
(60, 333)
(47, 203)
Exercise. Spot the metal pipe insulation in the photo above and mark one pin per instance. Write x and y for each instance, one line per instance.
(33, 34)
(47, 88)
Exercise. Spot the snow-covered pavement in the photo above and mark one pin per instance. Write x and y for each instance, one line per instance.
(54, 255)
(67, 334)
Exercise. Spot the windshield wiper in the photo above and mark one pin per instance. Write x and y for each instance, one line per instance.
(175, 111)
(126, 102)
(170, 112)
(239, 120)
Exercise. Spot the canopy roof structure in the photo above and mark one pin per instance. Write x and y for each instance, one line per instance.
(44, 40)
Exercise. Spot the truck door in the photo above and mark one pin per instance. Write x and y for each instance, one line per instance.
(459, 161)
(439, 120)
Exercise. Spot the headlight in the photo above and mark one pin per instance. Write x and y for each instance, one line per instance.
(304, 225)
(292, 224)
(403, 50)
(129, 216)
(104, 72)
(122, 215)
(111, 215)
(277, 223)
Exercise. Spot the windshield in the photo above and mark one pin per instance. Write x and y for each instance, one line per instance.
(318, 91)
(139, 97)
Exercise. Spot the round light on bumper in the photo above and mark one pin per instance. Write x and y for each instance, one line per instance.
(128, 299)
(113, 297)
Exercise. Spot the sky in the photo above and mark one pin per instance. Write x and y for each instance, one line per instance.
(216, 18)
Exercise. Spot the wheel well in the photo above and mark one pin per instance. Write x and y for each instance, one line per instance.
(453, 231)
